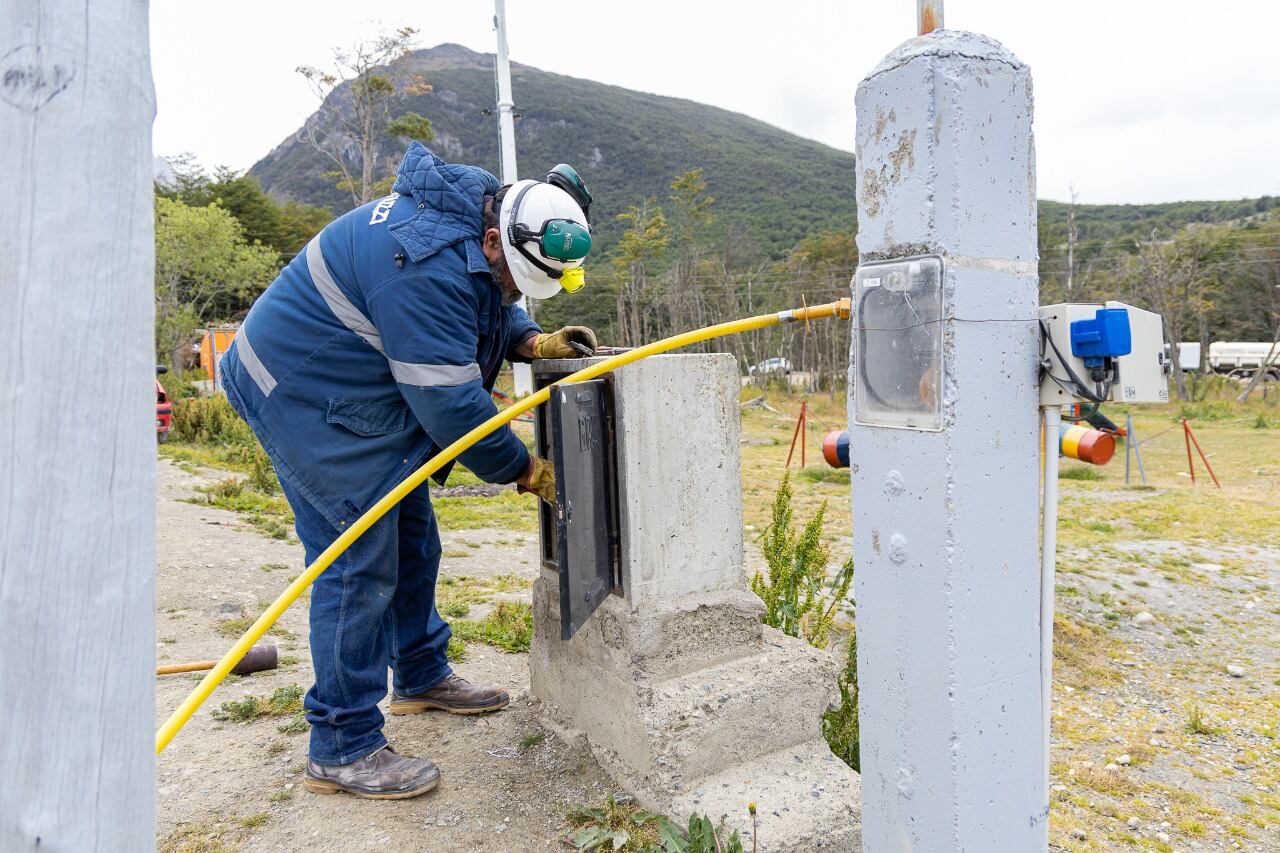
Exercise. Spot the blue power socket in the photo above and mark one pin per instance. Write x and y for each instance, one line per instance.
(1105, 336)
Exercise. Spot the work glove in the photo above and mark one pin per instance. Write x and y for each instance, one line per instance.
(540, 480)
(569, 342)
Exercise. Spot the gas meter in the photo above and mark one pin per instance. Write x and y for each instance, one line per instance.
(897, 362)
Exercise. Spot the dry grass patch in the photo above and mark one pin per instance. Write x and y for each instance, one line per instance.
(1082, 654)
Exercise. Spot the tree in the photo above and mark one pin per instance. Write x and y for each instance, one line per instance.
(1171, 276)
(205, 269)
(284, 227)
(1261, 293)
(640, 246)
(690, 217)
(357, 99)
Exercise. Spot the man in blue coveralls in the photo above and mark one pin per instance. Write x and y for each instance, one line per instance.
(375, 347)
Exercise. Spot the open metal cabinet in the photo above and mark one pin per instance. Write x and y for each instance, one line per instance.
(579, 538)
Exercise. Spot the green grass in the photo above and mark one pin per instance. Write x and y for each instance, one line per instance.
(295, 725)
(508, 627)
(283, 702)
(507, 510)
(457, 593)
(1198, 724)
(1079, 473)
(268, 512)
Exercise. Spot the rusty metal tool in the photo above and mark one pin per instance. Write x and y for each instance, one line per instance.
(260, 658)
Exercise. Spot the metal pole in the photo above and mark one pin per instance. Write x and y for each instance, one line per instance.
(1048, 558)
(804, 430)
(507, 140)
(1128, 445)
(928, 16)
(1137, 451)
(506, 122)
(1203, 458)
(1186, 438)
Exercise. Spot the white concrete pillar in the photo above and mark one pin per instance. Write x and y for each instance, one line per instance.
(680, 468)
(77, 427)
(945, 523)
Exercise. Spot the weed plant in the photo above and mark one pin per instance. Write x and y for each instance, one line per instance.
(840, 725)
(627, 828)
(283, 702)
(798, 600)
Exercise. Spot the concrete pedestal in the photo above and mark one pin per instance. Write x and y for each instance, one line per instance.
(685, 698)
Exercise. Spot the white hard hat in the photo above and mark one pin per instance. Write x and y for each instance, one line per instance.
(545, 236)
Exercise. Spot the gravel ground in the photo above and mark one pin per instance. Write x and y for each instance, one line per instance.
(1158, 745)
(1165, 731)
(237, 786)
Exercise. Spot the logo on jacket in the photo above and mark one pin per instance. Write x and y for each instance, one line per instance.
(382, 209)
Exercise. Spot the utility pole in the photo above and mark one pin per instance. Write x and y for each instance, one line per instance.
(928, 16)
(944, 443)
(77, 427)
(507, 139)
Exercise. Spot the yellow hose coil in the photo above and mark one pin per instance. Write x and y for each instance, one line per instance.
(205, 688)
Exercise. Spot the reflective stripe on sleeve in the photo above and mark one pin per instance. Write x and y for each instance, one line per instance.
(337, 301)
(260, 375)
(433, 375)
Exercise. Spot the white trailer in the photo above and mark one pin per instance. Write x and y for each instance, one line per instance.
(1189, 356)
(1244, 358)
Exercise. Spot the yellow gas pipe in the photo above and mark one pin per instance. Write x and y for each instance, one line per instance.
(205, 688)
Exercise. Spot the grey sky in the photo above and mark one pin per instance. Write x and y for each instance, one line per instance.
(1135, 101)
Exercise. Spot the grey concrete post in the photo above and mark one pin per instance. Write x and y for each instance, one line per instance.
(945, 523)
(77, 427)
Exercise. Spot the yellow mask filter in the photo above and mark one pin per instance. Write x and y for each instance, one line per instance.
(572, 279)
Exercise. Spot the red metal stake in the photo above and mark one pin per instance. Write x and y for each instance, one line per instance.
(1186, 436)
(794, 436)
(804, 429)
(1203, 458)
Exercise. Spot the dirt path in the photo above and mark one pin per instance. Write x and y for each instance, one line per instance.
(237, 786)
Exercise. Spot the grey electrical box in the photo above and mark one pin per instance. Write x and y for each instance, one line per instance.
(898, 312)
(580, 539)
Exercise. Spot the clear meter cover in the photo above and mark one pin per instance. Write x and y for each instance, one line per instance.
(897, 360)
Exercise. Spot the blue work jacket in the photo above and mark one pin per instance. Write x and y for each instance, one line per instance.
(379, 344)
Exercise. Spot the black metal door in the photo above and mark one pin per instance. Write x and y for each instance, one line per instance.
(581, 451)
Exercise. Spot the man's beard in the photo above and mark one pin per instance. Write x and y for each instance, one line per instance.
(498, 268)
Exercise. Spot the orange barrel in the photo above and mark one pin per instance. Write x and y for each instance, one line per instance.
(1088, 445)
(835, 448)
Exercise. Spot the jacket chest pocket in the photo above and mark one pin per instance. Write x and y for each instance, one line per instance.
(367, 418)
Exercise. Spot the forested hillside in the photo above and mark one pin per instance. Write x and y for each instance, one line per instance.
(769, 183)
(703, 214)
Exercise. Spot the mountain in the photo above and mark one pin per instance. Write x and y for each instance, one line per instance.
(628, 146)
(769, 184)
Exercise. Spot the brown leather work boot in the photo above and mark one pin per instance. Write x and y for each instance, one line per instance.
(383, 775)
(455, 695)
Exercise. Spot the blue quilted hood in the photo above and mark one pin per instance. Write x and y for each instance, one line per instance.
(449, 198)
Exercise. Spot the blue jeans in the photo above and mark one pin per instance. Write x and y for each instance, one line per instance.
(374, 607)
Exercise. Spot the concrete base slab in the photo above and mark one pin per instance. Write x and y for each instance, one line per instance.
(701, 709)
(806, 799)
